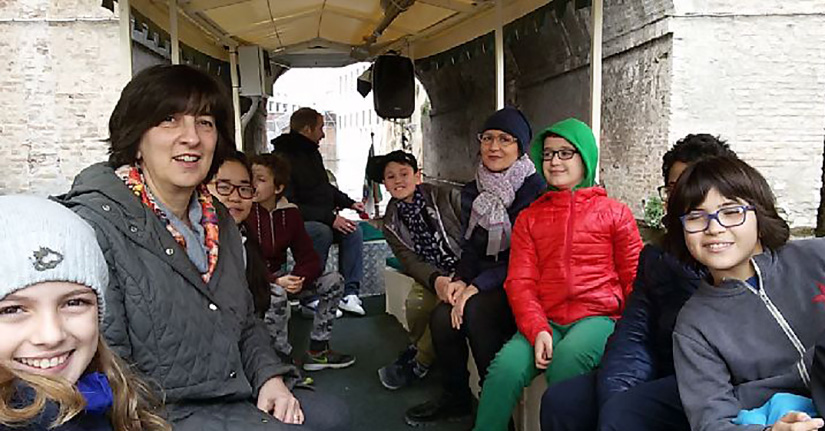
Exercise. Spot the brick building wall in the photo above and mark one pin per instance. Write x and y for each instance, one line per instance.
(59, 80)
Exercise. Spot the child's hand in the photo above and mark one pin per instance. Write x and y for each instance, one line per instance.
(291, 283)
(442, 283)
(797, 421)
(543, 350)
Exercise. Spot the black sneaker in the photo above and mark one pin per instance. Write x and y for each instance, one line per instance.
(316, 361)
(400, 374)
(446, 408)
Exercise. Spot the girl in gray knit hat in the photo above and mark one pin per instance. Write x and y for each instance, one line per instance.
(55, 368)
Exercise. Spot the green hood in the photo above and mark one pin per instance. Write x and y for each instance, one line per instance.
(578, 134)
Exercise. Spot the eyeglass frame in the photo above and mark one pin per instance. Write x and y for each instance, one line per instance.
(664, 191)
(494, 138)
(557, 153)
(232, 190)
(715, 216)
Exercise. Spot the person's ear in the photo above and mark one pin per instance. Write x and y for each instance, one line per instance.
(279, 189)
(418, 178)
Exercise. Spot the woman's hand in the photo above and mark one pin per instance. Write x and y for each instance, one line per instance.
(291, 283)
(797, 421)
(457, 314)
(447, 291)
(276, 399)
(543, 349)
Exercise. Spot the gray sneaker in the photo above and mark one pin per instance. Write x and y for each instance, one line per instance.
(316, 361)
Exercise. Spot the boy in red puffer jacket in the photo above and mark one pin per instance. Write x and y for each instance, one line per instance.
(572, 264)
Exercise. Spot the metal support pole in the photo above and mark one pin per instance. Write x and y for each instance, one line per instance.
(125, 26)
(236, 97)
(596, 72)
(173, 31)
(499, 57)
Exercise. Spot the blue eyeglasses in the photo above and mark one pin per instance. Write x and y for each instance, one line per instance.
(699, 221)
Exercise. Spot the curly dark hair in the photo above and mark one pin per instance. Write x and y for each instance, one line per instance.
(158, 92)
(692, 148)
(733, 179)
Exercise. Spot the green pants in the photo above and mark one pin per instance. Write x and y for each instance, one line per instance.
(420, 304)
(577, 349)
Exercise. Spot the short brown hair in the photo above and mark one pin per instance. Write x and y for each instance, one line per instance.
(304, 117)
(158, 92)
(733, 179)
(277, 164)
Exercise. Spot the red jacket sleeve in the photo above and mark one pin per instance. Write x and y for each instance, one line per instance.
(522, 281)
(627, 244)
(307, 262)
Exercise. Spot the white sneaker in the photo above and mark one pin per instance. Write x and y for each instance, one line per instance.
(352, 304)
(308, 310)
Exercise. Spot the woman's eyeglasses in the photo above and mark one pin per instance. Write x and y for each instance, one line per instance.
(699, 221)
(225, 188)
(504, 140)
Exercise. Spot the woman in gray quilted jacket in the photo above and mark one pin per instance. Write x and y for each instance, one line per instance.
(179, 308)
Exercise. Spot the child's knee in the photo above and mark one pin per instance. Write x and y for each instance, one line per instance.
(514, 361)
(329, 282)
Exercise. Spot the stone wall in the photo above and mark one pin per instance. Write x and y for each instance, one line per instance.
(59, 80)
(749, 71)
(758, 80)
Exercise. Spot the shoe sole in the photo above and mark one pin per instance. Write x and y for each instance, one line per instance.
(384, 384)
(319, 367)
(357, 313)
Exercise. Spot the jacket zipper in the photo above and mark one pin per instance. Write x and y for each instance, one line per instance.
(443, 229)
(568, 251)
(401, 240)
(783, 323)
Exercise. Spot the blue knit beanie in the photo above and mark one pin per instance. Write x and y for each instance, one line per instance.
(512, 121)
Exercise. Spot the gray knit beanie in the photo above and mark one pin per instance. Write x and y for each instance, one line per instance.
(41, 240)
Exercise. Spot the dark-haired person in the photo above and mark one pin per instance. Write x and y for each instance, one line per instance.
(473, 307)
(422, 227)
(178, 304)
(232, 186)
(319, 201)
(749, 330)
(635, 386)
(276, 225)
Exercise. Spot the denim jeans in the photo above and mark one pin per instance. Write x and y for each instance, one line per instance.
(350, 252)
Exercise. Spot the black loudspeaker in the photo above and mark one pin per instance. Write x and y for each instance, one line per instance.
(393, 86)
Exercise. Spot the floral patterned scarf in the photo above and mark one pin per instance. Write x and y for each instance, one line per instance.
(133, 178)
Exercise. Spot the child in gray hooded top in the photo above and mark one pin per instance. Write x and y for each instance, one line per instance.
(749, 330)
